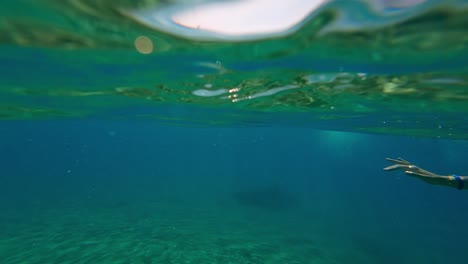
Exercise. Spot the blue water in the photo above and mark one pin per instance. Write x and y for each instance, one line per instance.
(325, 187)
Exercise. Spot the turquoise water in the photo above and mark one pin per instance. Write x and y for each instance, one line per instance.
(99, 191)
(210, 148)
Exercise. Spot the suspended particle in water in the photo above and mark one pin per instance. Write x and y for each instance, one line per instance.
(144, 45)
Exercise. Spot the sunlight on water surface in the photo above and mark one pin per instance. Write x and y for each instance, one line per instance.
(388, 66)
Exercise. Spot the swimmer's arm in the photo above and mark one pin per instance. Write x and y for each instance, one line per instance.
(452, 182)
(427, 176)
(442, 180)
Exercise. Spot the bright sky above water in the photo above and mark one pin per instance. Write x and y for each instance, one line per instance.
(247, 17)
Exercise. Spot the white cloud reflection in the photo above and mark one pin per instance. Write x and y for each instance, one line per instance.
(254, 19)
(247, 17)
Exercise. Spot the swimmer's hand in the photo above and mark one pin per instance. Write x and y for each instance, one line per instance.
(409, 168)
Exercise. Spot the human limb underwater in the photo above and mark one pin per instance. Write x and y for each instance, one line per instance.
(455, 181)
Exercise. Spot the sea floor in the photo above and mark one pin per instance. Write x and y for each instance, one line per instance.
(180, 232)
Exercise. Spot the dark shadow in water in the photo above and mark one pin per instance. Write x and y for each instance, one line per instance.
(271, 197)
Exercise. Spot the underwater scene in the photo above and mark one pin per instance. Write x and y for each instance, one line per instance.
(233, 132)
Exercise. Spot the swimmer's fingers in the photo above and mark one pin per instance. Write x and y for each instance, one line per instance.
(404, 161)
(399, 164)
(399, 161)
(417, 174)
(395, 167)
(413, 174)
